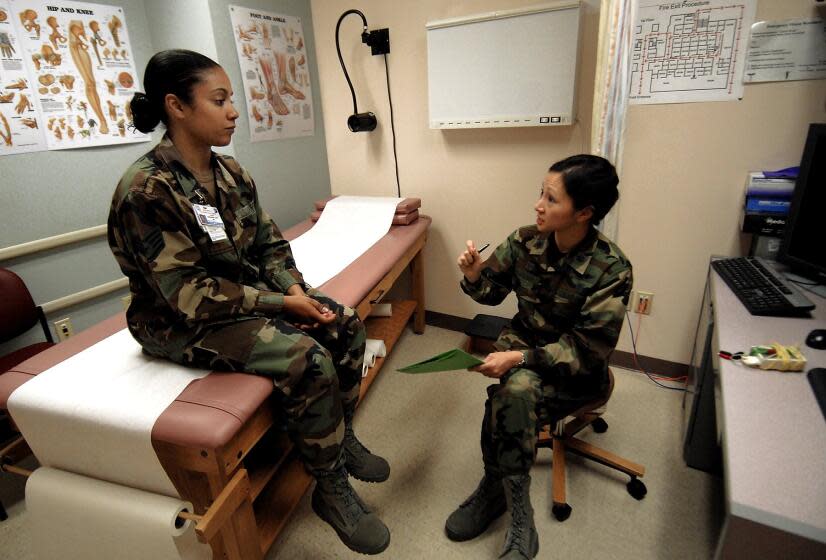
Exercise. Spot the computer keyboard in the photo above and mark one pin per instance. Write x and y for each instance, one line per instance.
(760, 289)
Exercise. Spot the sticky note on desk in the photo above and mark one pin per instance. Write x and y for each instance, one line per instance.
(446, 361)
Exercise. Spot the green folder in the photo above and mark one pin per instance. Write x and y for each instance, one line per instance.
(446, 361)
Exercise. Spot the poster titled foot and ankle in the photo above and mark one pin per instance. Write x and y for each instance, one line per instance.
(275, 74)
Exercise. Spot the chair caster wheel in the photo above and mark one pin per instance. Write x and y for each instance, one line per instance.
(636, 488)
(561, 512)
(599, 425)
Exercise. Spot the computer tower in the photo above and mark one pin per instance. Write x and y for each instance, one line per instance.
(700, 446)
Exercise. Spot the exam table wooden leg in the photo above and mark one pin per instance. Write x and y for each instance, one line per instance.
(417, 269)
(238, 539)
(241, 539)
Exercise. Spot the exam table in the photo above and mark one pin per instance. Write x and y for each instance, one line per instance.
(220, 440)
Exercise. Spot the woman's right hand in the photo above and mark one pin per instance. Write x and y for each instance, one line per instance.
(307, 311)
(470, 262)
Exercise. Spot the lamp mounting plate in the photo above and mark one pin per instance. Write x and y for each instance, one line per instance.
(378, 40)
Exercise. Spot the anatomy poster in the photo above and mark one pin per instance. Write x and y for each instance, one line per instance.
(275, 71)
(20, 126)
(81, 69)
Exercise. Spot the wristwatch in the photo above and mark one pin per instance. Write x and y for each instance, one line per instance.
(523, 361)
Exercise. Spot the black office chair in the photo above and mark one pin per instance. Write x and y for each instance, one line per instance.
(18, 314)
(558, 435)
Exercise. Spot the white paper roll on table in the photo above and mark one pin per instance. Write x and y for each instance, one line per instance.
(373, 349)
(75, 517)
(348, 226)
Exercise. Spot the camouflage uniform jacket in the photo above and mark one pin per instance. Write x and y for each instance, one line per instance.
(181, 281)
(570, 306)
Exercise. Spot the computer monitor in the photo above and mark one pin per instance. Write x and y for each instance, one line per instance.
(804, 242)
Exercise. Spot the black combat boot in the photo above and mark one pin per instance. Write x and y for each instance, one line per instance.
(522, 541)
(472, 518)
(360, 463)
(335, 501)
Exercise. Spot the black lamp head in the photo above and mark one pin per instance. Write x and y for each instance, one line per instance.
(361, 122)
(379, 43)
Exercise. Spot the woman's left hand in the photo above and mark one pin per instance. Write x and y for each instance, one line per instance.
(497, 363)
(329, 314)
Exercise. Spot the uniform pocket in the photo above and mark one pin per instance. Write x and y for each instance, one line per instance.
(245, 214)
(218, 248)
(529, 283)
(566, 303)
(227, 344)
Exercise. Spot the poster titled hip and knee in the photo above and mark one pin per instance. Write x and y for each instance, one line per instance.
(66, 76)
(275, 73)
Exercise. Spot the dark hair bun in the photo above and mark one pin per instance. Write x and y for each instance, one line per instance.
(175, 72)
(145, 115)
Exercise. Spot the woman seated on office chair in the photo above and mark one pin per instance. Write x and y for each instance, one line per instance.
(572, 285)
(214, 284)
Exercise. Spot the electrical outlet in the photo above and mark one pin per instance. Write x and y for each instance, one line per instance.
(644, 302)
(64, 328)
(125, 301)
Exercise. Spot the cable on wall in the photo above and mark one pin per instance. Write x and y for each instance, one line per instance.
(392, 127)
(379, 42)
(653, 378)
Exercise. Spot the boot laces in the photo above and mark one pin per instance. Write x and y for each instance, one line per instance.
(485, 487)
(353, 445)
(352, 505)
(519, 524)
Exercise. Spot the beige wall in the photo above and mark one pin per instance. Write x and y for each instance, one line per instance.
(683, 175)
(681, 185)
(476, 184)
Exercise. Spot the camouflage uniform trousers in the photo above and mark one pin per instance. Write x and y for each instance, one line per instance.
(316, 373)
(509, 427)
(515, 409)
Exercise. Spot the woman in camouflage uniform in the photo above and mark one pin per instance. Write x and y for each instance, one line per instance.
(214, 284)
(572, 285)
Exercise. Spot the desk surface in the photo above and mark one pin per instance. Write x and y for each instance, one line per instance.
(774, 435)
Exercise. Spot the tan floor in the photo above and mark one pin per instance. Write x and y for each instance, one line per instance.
(427, 426)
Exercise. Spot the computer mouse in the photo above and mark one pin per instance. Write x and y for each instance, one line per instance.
(817, 339)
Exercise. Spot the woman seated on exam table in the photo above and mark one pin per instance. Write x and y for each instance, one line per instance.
(214, 284)
(572, 285)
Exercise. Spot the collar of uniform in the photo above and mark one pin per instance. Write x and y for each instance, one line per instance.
(580, 256)
(170, 155)
(228, 182)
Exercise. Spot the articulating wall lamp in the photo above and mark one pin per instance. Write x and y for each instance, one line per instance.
(379, 43)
